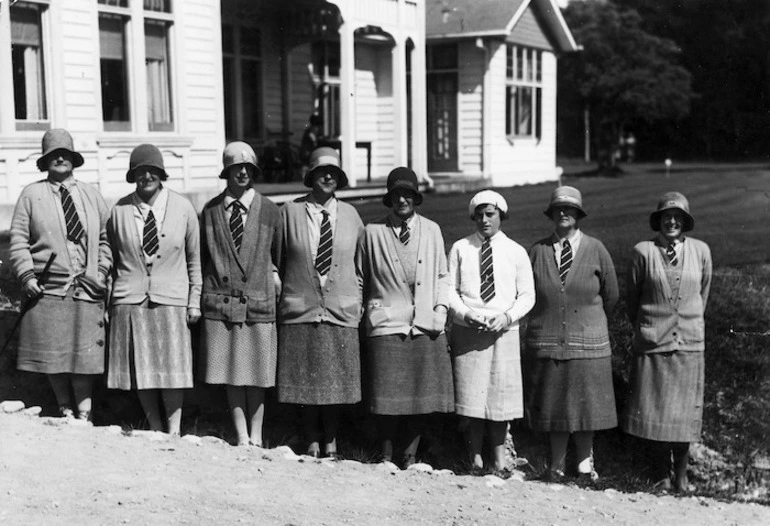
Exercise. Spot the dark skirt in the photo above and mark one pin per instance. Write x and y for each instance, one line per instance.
(318, 364)
(569, 395)
(149, 347)
(409, 375)
(62, 335)
(243, 354)
(666, 399)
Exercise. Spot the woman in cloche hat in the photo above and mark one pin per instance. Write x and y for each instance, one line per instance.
(156, 291)
(406, 288)
(320, 307)
(491, 289)
(62, 334)
(667, 289)
(569, 370)
(239, 232)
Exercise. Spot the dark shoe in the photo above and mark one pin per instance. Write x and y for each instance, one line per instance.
(504, 473)
(478, 471)
(409, 460)
(556, 476)
(592, 477)
(334, 455)
(66, 411)
(662, 487)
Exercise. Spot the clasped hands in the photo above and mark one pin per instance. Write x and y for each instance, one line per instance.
(493, 323)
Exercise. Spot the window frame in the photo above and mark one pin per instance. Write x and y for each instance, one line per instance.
(138, 96)
(44, 59)
(523, 88)
(328, 88)
(236, 58)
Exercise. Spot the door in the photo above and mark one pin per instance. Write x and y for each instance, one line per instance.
(442, 122)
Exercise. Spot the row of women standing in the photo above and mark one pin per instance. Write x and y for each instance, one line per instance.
(281, 293)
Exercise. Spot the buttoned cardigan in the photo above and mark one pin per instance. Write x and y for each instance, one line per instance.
(303, 300)
(238, 286)
(390, 306)
(661, 321)
(37, 230)
(174, 278)
(569, 320)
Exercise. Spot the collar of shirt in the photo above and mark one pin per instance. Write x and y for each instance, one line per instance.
(395, 222)
(663, 243)
(481, 237)
(68, 183)
(558, 244)
(245, 199)
(158, 208)
(315, 208)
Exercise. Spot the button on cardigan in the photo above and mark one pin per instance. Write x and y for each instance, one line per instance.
(569, 321)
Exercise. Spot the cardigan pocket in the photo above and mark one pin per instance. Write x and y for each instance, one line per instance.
(350, 306)
(259, 306)
(377, 314)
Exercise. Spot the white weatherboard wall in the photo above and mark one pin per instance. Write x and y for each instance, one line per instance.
(71, 55)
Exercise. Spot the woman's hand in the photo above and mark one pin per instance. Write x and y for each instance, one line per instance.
(278, 284)
(475, 320)
(193, 315)
(32, 288)
(498, 322)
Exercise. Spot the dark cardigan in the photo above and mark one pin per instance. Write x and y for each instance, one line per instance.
(570, 321)
(239, 287)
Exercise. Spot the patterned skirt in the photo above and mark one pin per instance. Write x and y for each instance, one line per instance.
(569, 395)
(666, 399)
(409, 375)
(62, 335)
(243, 354)
(487, 374)
(318, 364)
(149, 348)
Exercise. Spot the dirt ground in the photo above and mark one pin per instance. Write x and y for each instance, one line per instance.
(57, 473)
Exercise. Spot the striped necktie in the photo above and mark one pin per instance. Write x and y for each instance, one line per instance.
(671, 253)
(150, 235)
(74, 226)
(566, 260)
(403, 236)
(323, 260)
(236, 223)
(487, 272)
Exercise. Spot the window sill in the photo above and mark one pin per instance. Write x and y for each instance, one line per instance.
(522, 139)
(115, 140)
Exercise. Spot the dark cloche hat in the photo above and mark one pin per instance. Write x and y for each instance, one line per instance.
(566, 196)
(145, 155)
(402, 177)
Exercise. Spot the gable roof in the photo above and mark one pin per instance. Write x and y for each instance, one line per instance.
(461, 19)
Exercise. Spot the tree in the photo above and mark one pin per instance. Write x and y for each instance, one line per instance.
(623, 75)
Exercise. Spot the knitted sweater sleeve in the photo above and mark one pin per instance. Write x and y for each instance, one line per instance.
(608, 280)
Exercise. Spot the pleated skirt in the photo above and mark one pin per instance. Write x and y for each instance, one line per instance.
(149, 348)
(666, 398)
(487, 374)
(409, 375)
(242, 354)
(569, 395)
(62, 335)
(318, 364)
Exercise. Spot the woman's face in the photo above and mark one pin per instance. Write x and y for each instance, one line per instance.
(487, 218)
(148, 181)
(239, 177)
(324, 184)
(565, 218)
(671, 224)
(60, 164)
(402, 203)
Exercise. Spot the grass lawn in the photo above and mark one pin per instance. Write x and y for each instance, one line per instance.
(731, 207)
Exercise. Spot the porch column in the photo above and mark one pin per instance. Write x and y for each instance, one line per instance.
(7, 115)
(419, 104)
(400, 100)
(348, 98)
